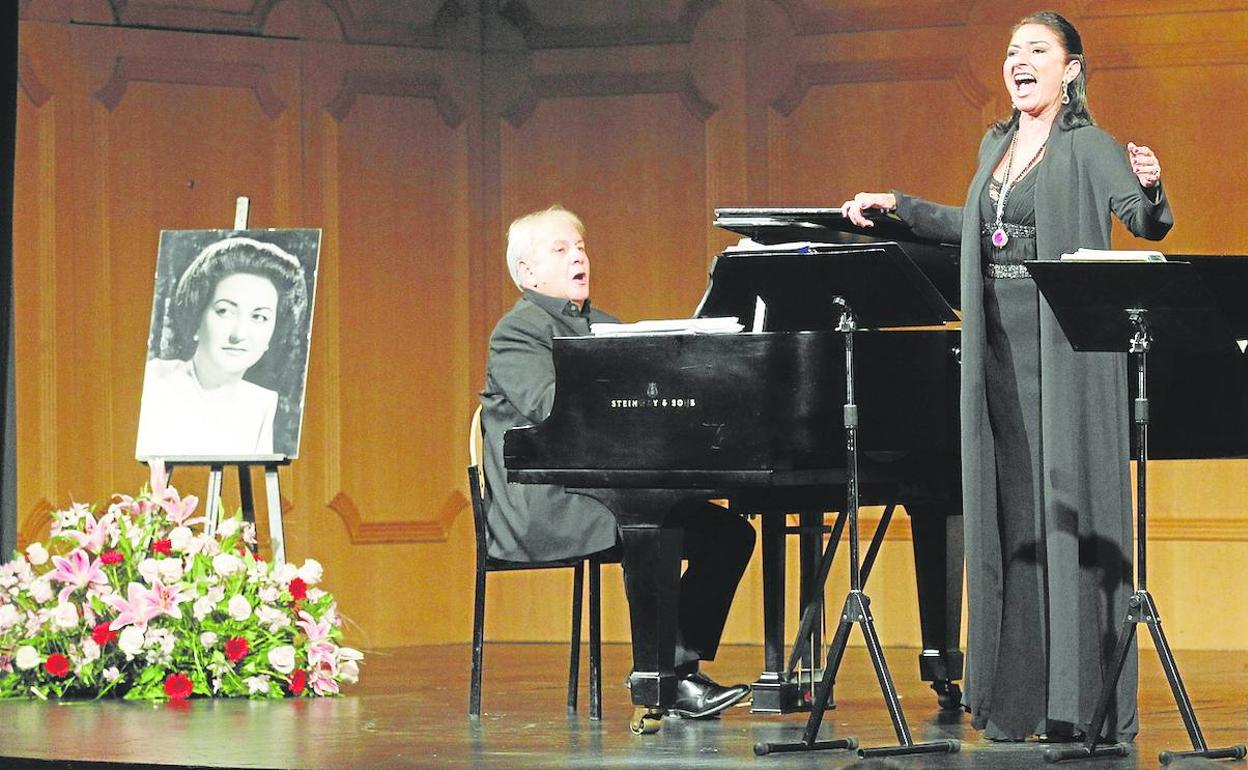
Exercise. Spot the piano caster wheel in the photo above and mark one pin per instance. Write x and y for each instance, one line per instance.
(948, 695)
(646, 721)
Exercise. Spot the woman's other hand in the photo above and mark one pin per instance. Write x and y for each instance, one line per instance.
(856, 210)
(1144, 164)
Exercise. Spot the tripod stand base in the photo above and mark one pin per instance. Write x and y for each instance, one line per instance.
(1230, 752)
(934, 747)
(1084, 751)
(762, 748)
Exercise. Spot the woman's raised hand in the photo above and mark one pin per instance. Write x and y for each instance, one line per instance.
(1144, 164)
(855, 210)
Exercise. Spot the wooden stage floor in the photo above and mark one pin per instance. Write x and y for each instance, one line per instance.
(409, 710)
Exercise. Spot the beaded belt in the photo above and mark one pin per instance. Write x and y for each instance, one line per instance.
(995, 270)
(1012, 230)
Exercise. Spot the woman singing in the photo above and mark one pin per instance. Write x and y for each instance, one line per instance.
(1047, 496)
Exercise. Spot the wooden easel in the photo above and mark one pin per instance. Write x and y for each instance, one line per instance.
(216, 466)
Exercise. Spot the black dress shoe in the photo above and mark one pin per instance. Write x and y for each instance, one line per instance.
(700, 697)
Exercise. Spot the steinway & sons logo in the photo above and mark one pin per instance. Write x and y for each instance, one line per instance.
(653, 400)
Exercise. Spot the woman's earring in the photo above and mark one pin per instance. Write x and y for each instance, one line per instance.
(1065, 92)
(195, 337)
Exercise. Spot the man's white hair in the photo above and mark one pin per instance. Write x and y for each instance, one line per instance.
(520, 237)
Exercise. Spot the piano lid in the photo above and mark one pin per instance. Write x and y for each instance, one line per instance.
(939, 261)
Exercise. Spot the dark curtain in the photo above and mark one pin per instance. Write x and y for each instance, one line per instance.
(8, 132)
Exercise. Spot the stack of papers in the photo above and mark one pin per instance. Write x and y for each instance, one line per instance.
(1108, 255)
(726, 325)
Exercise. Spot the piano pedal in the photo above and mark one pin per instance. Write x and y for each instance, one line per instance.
(646, 720)
(948, 695)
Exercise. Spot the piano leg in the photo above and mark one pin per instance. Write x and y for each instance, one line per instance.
(777, 689)
(650, 556)
(938, 568)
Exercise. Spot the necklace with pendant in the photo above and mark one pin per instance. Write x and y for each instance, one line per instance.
(999, 238)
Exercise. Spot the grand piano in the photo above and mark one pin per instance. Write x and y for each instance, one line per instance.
(754, 419)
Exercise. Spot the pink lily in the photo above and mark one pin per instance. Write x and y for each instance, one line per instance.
(136, 609)
(94, 533)
(77, 571)
(164, 600)
(179, 509)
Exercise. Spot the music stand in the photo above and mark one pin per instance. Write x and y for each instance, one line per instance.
(1111, 307)
(879, 287)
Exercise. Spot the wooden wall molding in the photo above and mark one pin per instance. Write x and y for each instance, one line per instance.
(870, 16)
(1096, 9)
(361, 532)
(143, 69)
(32, 86)
(1211, 53)
(356, 30)
(383, 83)
(539, 36)
(1160, 530)
(608, 84)
(809, 74)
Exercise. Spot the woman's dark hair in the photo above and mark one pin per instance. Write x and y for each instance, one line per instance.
(231, 256)
(1074, 114)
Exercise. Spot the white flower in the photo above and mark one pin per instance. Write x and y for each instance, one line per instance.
(112, 674)
(65, 616)
(202, 607)
(226, 564)
(257, 685)
(272, 618)
(36, 553)
(90, 650)
(349, 671)
(41, 590)
(180, 538)
(282, 658)
(285, 573)
(268, 594)
(239, 608)
(208, 639)
(130, 641)
(227, 528)
(9, 616)
(311, 571)
(27, 657)
(161, 639)
(150, 570)
(170, 570)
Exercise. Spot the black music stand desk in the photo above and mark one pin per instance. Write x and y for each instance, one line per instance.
(1129, 306)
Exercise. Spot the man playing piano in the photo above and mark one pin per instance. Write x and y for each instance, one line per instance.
(528, 522)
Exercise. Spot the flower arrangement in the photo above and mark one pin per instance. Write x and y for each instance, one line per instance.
(144, 602)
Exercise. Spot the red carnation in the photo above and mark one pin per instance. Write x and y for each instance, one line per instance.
(236, 649)
(112, 557)
(298, 589)
(102, 634)
(298, 681)
(57, 665)
(178, 687)
(163, 547)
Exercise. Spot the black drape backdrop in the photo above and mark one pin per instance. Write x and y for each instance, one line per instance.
(8, 132)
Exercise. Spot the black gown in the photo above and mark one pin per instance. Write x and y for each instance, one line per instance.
(1012, 326)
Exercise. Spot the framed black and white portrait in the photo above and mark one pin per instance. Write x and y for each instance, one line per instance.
(227, 351)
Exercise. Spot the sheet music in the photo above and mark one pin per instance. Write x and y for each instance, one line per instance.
(723, 325)
(1113, 255)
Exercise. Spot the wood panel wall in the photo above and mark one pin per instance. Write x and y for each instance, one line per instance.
(413, 131)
